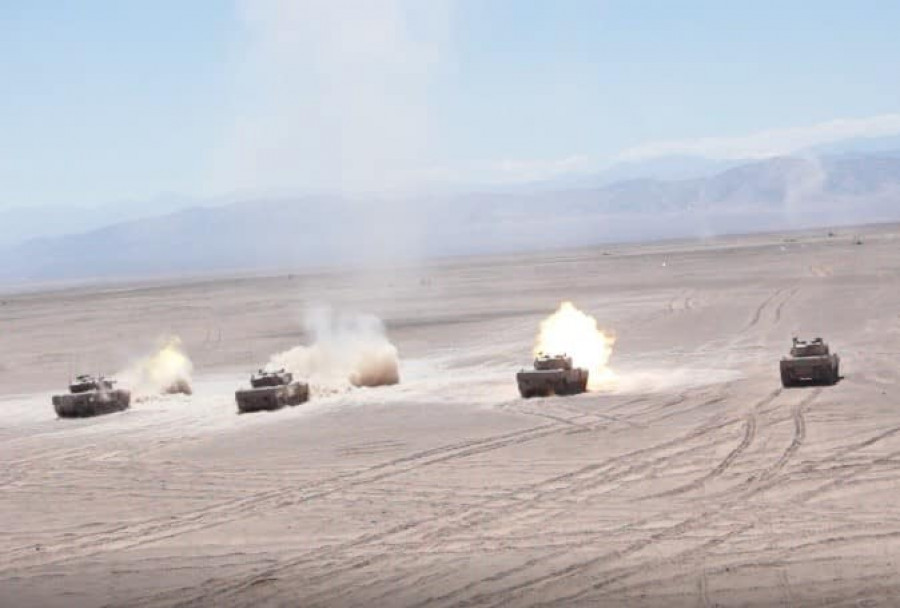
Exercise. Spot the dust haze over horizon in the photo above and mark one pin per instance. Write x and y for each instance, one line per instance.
(391, 130)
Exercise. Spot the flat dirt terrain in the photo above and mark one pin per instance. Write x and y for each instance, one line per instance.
(695, 480)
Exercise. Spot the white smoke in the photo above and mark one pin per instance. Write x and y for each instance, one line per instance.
(166, 371)
(330, 95)
(346, 350)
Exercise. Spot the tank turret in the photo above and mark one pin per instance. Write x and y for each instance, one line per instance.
(549, 362)
(277, 377)
(85, 383)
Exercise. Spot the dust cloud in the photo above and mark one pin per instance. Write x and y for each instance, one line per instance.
(572, 332)
(166, 371)
(347, 350)
(636, 380)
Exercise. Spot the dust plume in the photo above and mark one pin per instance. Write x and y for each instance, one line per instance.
(166, 371)
(331, 95)
(570, 331)
(346, 350)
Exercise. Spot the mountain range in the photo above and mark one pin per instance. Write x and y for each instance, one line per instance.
(287, 233)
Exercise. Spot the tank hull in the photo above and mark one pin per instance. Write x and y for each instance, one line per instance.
(543, 383)
(271, 398)
(93, 403)
(810, 370)
(179, 387)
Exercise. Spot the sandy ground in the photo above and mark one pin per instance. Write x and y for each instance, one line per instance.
(697, 481)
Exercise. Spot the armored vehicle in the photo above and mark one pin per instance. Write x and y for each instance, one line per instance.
(271, 390)
(552, 375)
(180, 386)
(810, 362)
(90, 396)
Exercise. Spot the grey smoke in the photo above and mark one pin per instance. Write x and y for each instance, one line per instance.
(346, 350)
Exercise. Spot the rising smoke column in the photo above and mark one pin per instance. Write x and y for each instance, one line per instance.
(166, 371)
(570, 331)
(346, 350)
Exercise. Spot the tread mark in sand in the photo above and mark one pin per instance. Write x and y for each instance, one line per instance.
(760, 482)
(132, 535)
(749, 436)
(492, 578)
(780, 307)
(620, 574)
(786, 588)
(777, 560)
(605, 473)
(844, 479)
(703, 590)
(584, 418)
(811, 466)
(757, 315)
(551, 417)
(215, 589)
(516, 591)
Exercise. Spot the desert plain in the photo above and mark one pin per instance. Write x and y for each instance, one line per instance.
(692, 479)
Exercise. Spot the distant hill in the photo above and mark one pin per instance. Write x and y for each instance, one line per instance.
(778, 193)
(20, 223)
(880, 145)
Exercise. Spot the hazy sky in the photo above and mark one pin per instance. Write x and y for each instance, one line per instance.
(109, 101)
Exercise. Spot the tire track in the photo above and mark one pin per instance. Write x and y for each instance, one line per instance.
(591, 420)
(552, 489)
(778, 560)
(765, 479)
(750, 425)
(553, 418)
(813, 466)
(517, 591)
(757, 314)
(384, 598)
(622, 574)
(653, 406)
(612, 475)
(508, 594)
(780, 308)
(502, 506)
(470, 516)
(153, 530)
(703, 590)
(785, 585)
(799, 436)
(749, 435)
(699, 406)
(844, 479)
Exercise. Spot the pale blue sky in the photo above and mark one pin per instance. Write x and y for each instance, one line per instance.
(114, 101)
